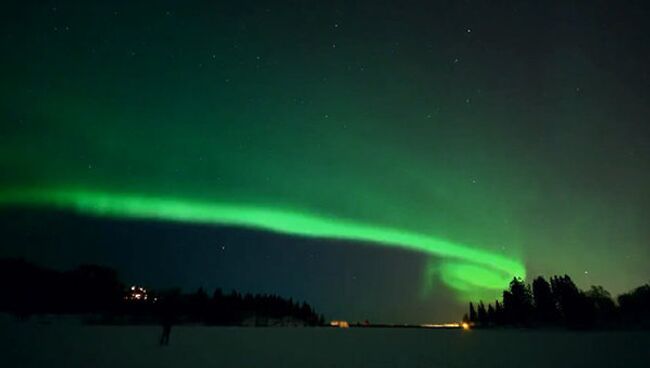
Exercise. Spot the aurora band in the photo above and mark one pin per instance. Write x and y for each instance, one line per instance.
(465, 269)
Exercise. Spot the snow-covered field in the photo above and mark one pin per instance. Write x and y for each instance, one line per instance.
(69, 344)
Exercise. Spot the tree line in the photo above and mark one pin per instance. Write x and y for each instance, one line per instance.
(559, 302)
(27, 289)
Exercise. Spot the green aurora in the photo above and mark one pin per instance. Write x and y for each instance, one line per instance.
(517, 149)
(467, 270)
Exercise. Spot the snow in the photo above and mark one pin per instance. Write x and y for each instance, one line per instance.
(67, 344)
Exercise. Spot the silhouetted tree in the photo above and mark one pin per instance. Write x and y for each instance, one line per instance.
(198, 306)
(472, 313)
(92, 288)
(635, 306)
(481, 313)
(499, 317)
(27, 289)
(518, 303)
(573, 305)
(545, 308)
(491, 315)
(561, 302)
(604, 308)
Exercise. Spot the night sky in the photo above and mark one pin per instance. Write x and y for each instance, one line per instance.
(383, 160)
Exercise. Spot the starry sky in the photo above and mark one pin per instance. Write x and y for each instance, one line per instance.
(397, 150)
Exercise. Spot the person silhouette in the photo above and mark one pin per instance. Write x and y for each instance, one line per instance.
(166, 330)
(167, 319)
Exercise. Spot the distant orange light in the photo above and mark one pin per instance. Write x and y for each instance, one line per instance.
(340, 324)
(465, 325)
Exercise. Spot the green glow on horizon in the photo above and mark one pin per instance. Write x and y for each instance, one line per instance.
(467, 270)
